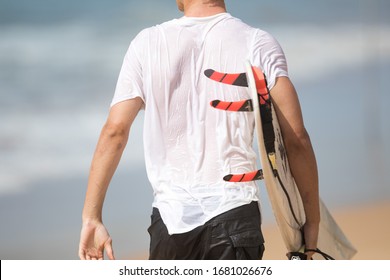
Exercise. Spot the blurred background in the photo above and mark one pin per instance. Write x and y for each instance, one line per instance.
(59, 61)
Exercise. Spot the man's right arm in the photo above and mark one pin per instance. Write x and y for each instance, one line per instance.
(112, 141)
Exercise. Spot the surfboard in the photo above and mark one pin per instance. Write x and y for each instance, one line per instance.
(281, 188)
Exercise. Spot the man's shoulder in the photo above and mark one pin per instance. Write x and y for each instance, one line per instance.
(156, 27)
(241, 23)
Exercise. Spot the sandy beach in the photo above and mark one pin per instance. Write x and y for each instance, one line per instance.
(367, 226)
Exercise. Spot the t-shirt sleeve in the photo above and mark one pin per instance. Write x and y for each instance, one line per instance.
(270, 55)
(129, 84)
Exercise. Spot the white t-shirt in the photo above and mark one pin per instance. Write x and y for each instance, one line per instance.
(190, 146)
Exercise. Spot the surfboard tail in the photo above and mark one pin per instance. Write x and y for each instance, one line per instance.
(332, 239)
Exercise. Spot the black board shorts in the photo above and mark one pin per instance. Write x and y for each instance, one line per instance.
(233, 235)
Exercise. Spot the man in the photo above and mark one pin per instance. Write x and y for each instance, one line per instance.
(190, 146)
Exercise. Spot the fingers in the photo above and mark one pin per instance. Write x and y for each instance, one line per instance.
(91, 254)
(109, 249)
(82, 255)
(91, 257)
(98, 254)
(309, 256)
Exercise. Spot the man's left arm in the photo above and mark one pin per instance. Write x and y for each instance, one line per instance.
(300, 153)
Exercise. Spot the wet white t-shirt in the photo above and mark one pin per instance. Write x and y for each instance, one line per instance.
(190, 146)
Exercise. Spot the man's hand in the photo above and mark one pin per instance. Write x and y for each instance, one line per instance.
(311, 232)
(94, 240)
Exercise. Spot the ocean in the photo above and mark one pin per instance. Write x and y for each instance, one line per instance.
(59, 62)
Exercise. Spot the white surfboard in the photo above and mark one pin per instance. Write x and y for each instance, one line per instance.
(282, 191)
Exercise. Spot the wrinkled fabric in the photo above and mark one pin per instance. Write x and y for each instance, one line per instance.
(190, 146)
(234, 235)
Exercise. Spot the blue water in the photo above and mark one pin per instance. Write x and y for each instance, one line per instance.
(59, 63)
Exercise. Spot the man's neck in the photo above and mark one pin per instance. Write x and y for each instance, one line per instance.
(201, 9)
